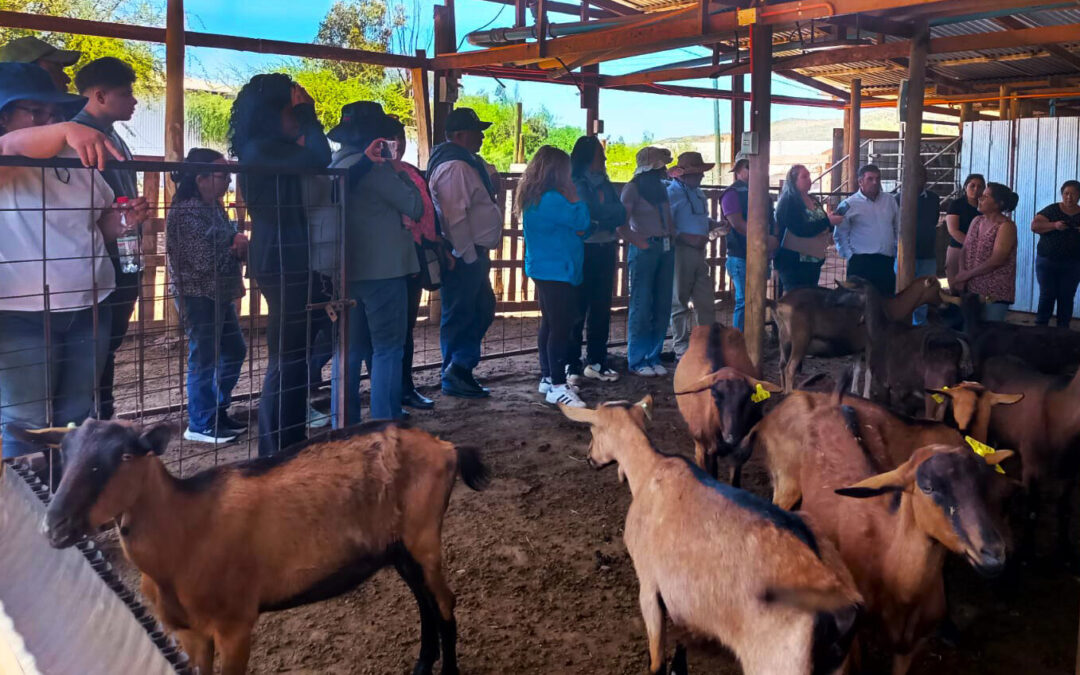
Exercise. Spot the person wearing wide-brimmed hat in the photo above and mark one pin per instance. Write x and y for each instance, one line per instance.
(692, 302)
(68, 244)
(651, 260)
(380, 256)
(466, 201)
(29, 49)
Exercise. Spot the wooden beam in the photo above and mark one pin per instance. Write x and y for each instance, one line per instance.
(738, 116)
(422, 115)
(693, 73)
(1012, 23)
(519, 13)
(912, 157)
(811, 82)
(615, 7)
(60, 24)
(852, 136)
(553, 7)
(590, 101)
(874, 24)
(722, 94)
(1003, 102)
(760, 206)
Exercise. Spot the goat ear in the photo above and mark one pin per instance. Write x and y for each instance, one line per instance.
(1005, 399)
(767, 386)
(997, 457)
(156, 438)
(586, 415)
(39, 438)
(646, 404)
(940, 392)
(706, 382)
(896, 480)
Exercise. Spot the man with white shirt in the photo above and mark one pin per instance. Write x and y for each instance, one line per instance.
(467, 206)
(867, 237)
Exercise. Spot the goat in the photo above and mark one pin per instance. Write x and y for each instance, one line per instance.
(720, 561)
(896, 552)
(828, 322)
(904, 360)
(889, 437)
(714, 383)
(1045, 429)
(1048, 350)
(218, 548)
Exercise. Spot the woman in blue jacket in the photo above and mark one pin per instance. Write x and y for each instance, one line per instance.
(556, 224)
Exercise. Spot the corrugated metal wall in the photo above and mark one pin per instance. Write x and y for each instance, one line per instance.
(1034, 157)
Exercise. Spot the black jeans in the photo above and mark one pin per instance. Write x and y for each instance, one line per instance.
(877, 269)
(558, 312)
(283, 404)
(414, 289)
(594, 307)
(795, 273)
(1058, 280)
(122, 301)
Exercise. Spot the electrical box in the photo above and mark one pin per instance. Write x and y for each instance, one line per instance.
(447, 90)
(748, 144)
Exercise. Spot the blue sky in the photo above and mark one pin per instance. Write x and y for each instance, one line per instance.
(626, 114)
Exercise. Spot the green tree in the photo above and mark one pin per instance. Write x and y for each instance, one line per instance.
(209, 112)
(145, 58)
(360, 24)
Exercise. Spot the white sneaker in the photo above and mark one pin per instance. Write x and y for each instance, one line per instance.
(644, 371)
(545, 385)
(598, 372)
(209, 436)
(659, 370)
(566, 395)
(316, 419)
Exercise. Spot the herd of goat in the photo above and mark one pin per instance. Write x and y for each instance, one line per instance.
(870, 494)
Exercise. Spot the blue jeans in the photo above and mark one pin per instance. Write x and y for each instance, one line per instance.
(736, 269)
(1058, 280)
(468, 309)
(66, 374)
(652, 278)
(995, 311)
(216, 351)
(377, 327)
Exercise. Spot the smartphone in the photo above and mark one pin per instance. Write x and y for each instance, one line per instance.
(842, 208)
(385, 149)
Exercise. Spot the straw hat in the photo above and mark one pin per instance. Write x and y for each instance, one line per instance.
(691, 162)
(650, 158)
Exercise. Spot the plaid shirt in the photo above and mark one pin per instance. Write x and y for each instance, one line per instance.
(198, 237)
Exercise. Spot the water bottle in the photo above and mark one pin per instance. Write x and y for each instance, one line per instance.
(127, 242)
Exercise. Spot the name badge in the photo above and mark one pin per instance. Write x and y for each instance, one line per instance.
(667, 244)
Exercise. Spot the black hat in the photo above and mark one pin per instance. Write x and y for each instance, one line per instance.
(464, 119)
(28, 81)
(361, 119)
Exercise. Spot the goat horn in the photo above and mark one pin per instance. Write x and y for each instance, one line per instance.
(949, 299)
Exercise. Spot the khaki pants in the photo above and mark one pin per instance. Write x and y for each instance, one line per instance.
(693, 288)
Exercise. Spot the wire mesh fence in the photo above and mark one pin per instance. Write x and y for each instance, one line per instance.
(215, 339)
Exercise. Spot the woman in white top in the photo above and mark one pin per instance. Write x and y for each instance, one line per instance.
(54, 271)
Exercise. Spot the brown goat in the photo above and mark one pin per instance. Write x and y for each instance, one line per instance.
(1045, 429)
(1053, 351)
(888, 437)
(218, 548)
(829, 322)
(714, 382)
(896, 552)
(720, 561)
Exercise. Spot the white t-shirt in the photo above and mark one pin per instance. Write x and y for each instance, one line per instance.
(71, 257)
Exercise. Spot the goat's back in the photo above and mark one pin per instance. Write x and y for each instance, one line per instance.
(830, 318)
(715, 552)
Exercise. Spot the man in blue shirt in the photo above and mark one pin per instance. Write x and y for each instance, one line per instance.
(694, 291)
(867, 237)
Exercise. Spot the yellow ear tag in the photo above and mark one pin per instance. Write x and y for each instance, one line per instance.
(938, 398)
(760, 394)
(982, 450)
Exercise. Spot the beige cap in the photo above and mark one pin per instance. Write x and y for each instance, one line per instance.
(650, 158)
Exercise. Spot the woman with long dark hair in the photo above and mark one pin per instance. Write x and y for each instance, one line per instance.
(806, 227)
(205, 252)
(1057, 260)
(988, 262)
(273, 124)
(555, 222)
(958, 217)
(606, 214)
(651, 261)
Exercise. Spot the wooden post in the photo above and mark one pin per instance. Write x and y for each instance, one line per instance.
(836, 176)
(760, 207)
(967, 114)
(421, 113)
(174, 116)
(912, 160)
(445, 80)
(519, 142)
(1003, 102)
(519, 13)
(738, 116)
(854, 129)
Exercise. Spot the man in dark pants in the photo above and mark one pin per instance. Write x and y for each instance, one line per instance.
(107, 85)
(867, 237)
(467, 207)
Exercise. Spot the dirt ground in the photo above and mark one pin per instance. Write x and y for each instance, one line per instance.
(543, 580)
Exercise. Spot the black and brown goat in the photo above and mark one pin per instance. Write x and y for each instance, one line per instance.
(218, 548)
(1053, 351)
(714, 383)
(829, 322)
(722, 562)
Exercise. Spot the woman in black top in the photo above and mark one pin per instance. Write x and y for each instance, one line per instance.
(804, 225)
(958, 219)
(273, 124)
(1057, 259)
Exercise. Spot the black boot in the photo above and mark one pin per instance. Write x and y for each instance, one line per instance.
(457, 381)
(414, 399)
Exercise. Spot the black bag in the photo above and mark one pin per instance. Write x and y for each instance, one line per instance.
(429, 255)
